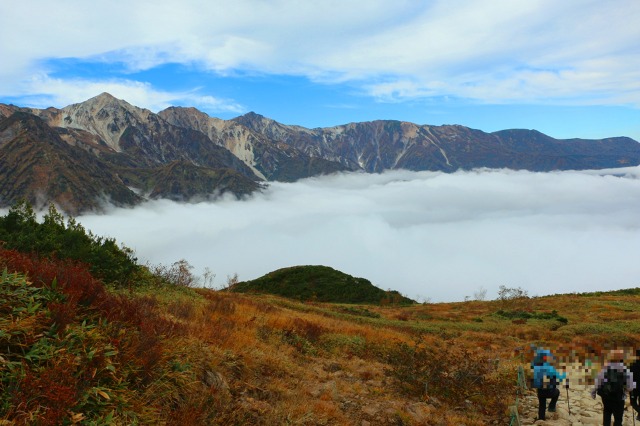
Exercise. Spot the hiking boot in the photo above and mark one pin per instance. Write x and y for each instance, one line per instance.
(638, 417)
(551, 409)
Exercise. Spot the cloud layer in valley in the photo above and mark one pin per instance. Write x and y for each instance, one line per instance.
(428, 235)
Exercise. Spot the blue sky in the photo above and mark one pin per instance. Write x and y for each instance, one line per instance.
(568, 69)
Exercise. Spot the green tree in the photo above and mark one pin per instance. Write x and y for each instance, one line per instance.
(20, 230)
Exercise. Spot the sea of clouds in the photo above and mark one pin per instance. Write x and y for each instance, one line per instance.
(430, 235)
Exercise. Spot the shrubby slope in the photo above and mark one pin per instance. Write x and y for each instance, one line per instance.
(78, 346)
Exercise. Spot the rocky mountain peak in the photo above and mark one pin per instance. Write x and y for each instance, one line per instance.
(104, 115)
(103, 101)
(176, 114)
(253, 120)
(268, 127)
(105, 95)
(182, 110)
(193, 118)
(251, 115)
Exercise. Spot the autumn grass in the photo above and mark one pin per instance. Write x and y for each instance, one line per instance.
(77, 351)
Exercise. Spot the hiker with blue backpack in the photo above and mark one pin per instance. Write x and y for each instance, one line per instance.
(612, 384)
(546, 380)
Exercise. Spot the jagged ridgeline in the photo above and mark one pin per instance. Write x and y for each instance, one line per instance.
(321, 284)
(107, 151)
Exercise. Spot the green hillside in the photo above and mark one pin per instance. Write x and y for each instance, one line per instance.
(321, 284)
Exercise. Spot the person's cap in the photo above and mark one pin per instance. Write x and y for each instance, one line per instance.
(541, 354)
(544, 352)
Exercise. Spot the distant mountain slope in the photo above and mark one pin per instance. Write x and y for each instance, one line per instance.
(569, 153)
(269, 158)
(182, 181)
(387, 144)
(183, 153)
(131, 146)
(320, 283)
(36, 164)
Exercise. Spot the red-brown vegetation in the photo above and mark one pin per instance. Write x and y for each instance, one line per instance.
(75, 350)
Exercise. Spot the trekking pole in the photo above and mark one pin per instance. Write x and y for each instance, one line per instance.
(567, 388)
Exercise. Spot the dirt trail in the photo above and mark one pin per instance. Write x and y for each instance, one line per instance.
(584, 409)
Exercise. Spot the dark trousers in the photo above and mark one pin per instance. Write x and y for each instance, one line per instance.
(635, 395)
(615, 407)
(543, 395)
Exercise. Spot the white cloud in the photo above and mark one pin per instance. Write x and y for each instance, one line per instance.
(436, 235)
(576, 51)
(61, 92)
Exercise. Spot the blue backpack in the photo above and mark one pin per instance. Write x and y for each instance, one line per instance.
(541, 380)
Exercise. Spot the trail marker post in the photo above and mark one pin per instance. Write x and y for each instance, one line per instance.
(567, 387)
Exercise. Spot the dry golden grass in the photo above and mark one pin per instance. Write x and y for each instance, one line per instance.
(225, 358)
(311, 364)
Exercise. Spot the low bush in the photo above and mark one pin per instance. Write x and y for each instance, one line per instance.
(525, 315)
(358, 311)
(70, 348)
(450, 372)
(345, 345)
(511, 297)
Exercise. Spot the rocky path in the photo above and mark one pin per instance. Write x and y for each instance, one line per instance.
(584, 409)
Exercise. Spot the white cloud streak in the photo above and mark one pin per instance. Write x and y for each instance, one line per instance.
(62, 92)
(539, 51)
(435, 235)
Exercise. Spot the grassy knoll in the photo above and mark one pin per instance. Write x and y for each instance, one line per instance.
(321, 284)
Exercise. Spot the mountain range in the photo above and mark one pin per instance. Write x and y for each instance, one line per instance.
(105, 150)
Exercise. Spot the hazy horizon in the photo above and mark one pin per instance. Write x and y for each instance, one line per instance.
(429, 235)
